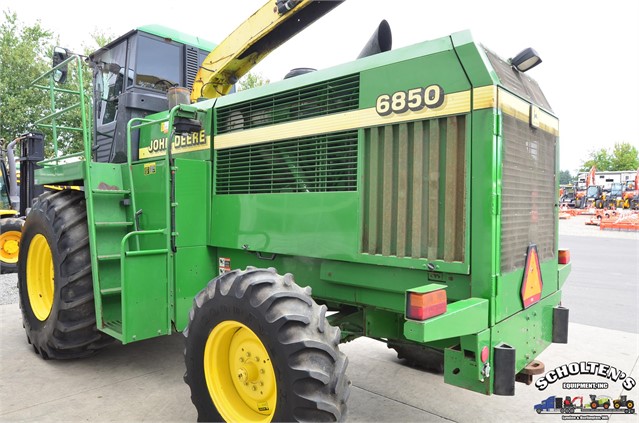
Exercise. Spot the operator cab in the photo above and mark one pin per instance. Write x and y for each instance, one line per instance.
(593, 191)
(5, 204)
(132, 75)
(616, 189)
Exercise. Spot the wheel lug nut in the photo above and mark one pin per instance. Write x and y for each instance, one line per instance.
(254, 388)
(262, 371)
(241, 359)
(248, 354)
(257, 359)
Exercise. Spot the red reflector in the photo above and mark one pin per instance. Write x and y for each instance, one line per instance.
(484, 354)
(422, 306)
(564, 256)
(532, 285)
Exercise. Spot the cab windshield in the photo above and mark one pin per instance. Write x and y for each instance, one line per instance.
(615, 189)
(158, 64)
(4, 195)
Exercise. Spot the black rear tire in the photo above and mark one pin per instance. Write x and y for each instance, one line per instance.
(8, 228)
(303, 348)
(69, 330)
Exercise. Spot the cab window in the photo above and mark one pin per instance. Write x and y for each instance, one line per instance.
(158, 64)
(109, 82)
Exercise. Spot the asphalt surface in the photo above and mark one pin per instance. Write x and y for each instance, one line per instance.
(143, 381)
(603, 287)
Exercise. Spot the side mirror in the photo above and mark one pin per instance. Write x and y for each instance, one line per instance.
(60, 54)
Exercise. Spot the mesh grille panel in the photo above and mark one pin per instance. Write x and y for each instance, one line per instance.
(315, 164)
(192, 65)
(334, 96)
(528, 193)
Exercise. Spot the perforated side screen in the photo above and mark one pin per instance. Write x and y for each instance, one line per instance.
(321, 99)
(528, 193)
(321, 163)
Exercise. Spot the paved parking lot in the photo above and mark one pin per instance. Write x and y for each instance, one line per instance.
(143, 381)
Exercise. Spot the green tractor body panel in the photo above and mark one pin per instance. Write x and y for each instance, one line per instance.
(430, 164)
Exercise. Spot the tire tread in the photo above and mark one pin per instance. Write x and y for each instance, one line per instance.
(318, 387)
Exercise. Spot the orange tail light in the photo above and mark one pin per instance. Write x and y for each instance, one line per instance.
(422, 306)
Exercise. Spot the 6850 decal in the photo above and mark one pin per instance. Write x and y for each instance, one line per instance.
(414, 99)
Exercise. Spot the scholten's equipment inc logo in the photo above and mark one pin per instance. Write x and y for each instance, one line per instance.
(587, 406)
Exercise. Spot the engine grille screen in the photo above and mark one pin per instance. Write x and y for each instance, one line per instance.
(528, 193)
(328, 97)
(324, 163)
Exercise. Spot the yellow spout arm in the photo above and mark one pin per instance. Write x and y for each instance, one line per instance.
(267, 29)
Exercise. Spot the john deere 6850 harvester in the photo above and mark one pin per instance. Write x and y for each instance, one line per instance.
(407, 196)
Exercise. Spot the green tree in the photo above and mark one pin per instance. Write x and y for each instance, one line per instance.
(599, 158)
(624, 156)
(23, 57)
(99, 39)
(251, 80)
(25, 54)
(565, 177)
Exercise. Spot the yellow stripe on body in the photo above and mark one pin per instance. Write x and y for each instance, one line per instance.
(484, 97)
(455, 103)
(492, 96)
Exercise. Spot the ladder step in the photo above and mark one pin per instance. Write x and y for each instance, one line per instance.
(111, 191)
(111, 291)
(109, 257)
(113, 328)
(113, 224)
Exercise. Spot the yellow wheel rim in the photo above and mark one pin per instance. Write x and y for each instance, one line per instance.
(9, 246)
(40, 277)
(239, 374)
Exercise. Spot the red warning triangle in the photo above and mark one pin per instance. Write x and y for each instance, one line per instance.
(532, 284)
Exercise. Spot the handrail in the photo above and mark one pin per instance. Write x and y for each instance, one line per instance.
(55, 68)
(50, 121)
(65, 128)
(129, 128)
(58, 113)
(56, 89)
(60, 158)
(126, 237)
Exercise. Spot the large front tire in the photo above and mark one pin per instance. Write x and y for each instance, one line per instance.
(54, 278)
(259, 349)
(10, 234)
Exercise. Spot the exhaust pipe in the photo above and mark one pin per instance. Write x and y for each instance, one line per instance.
(14, 194)
(380, 41)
